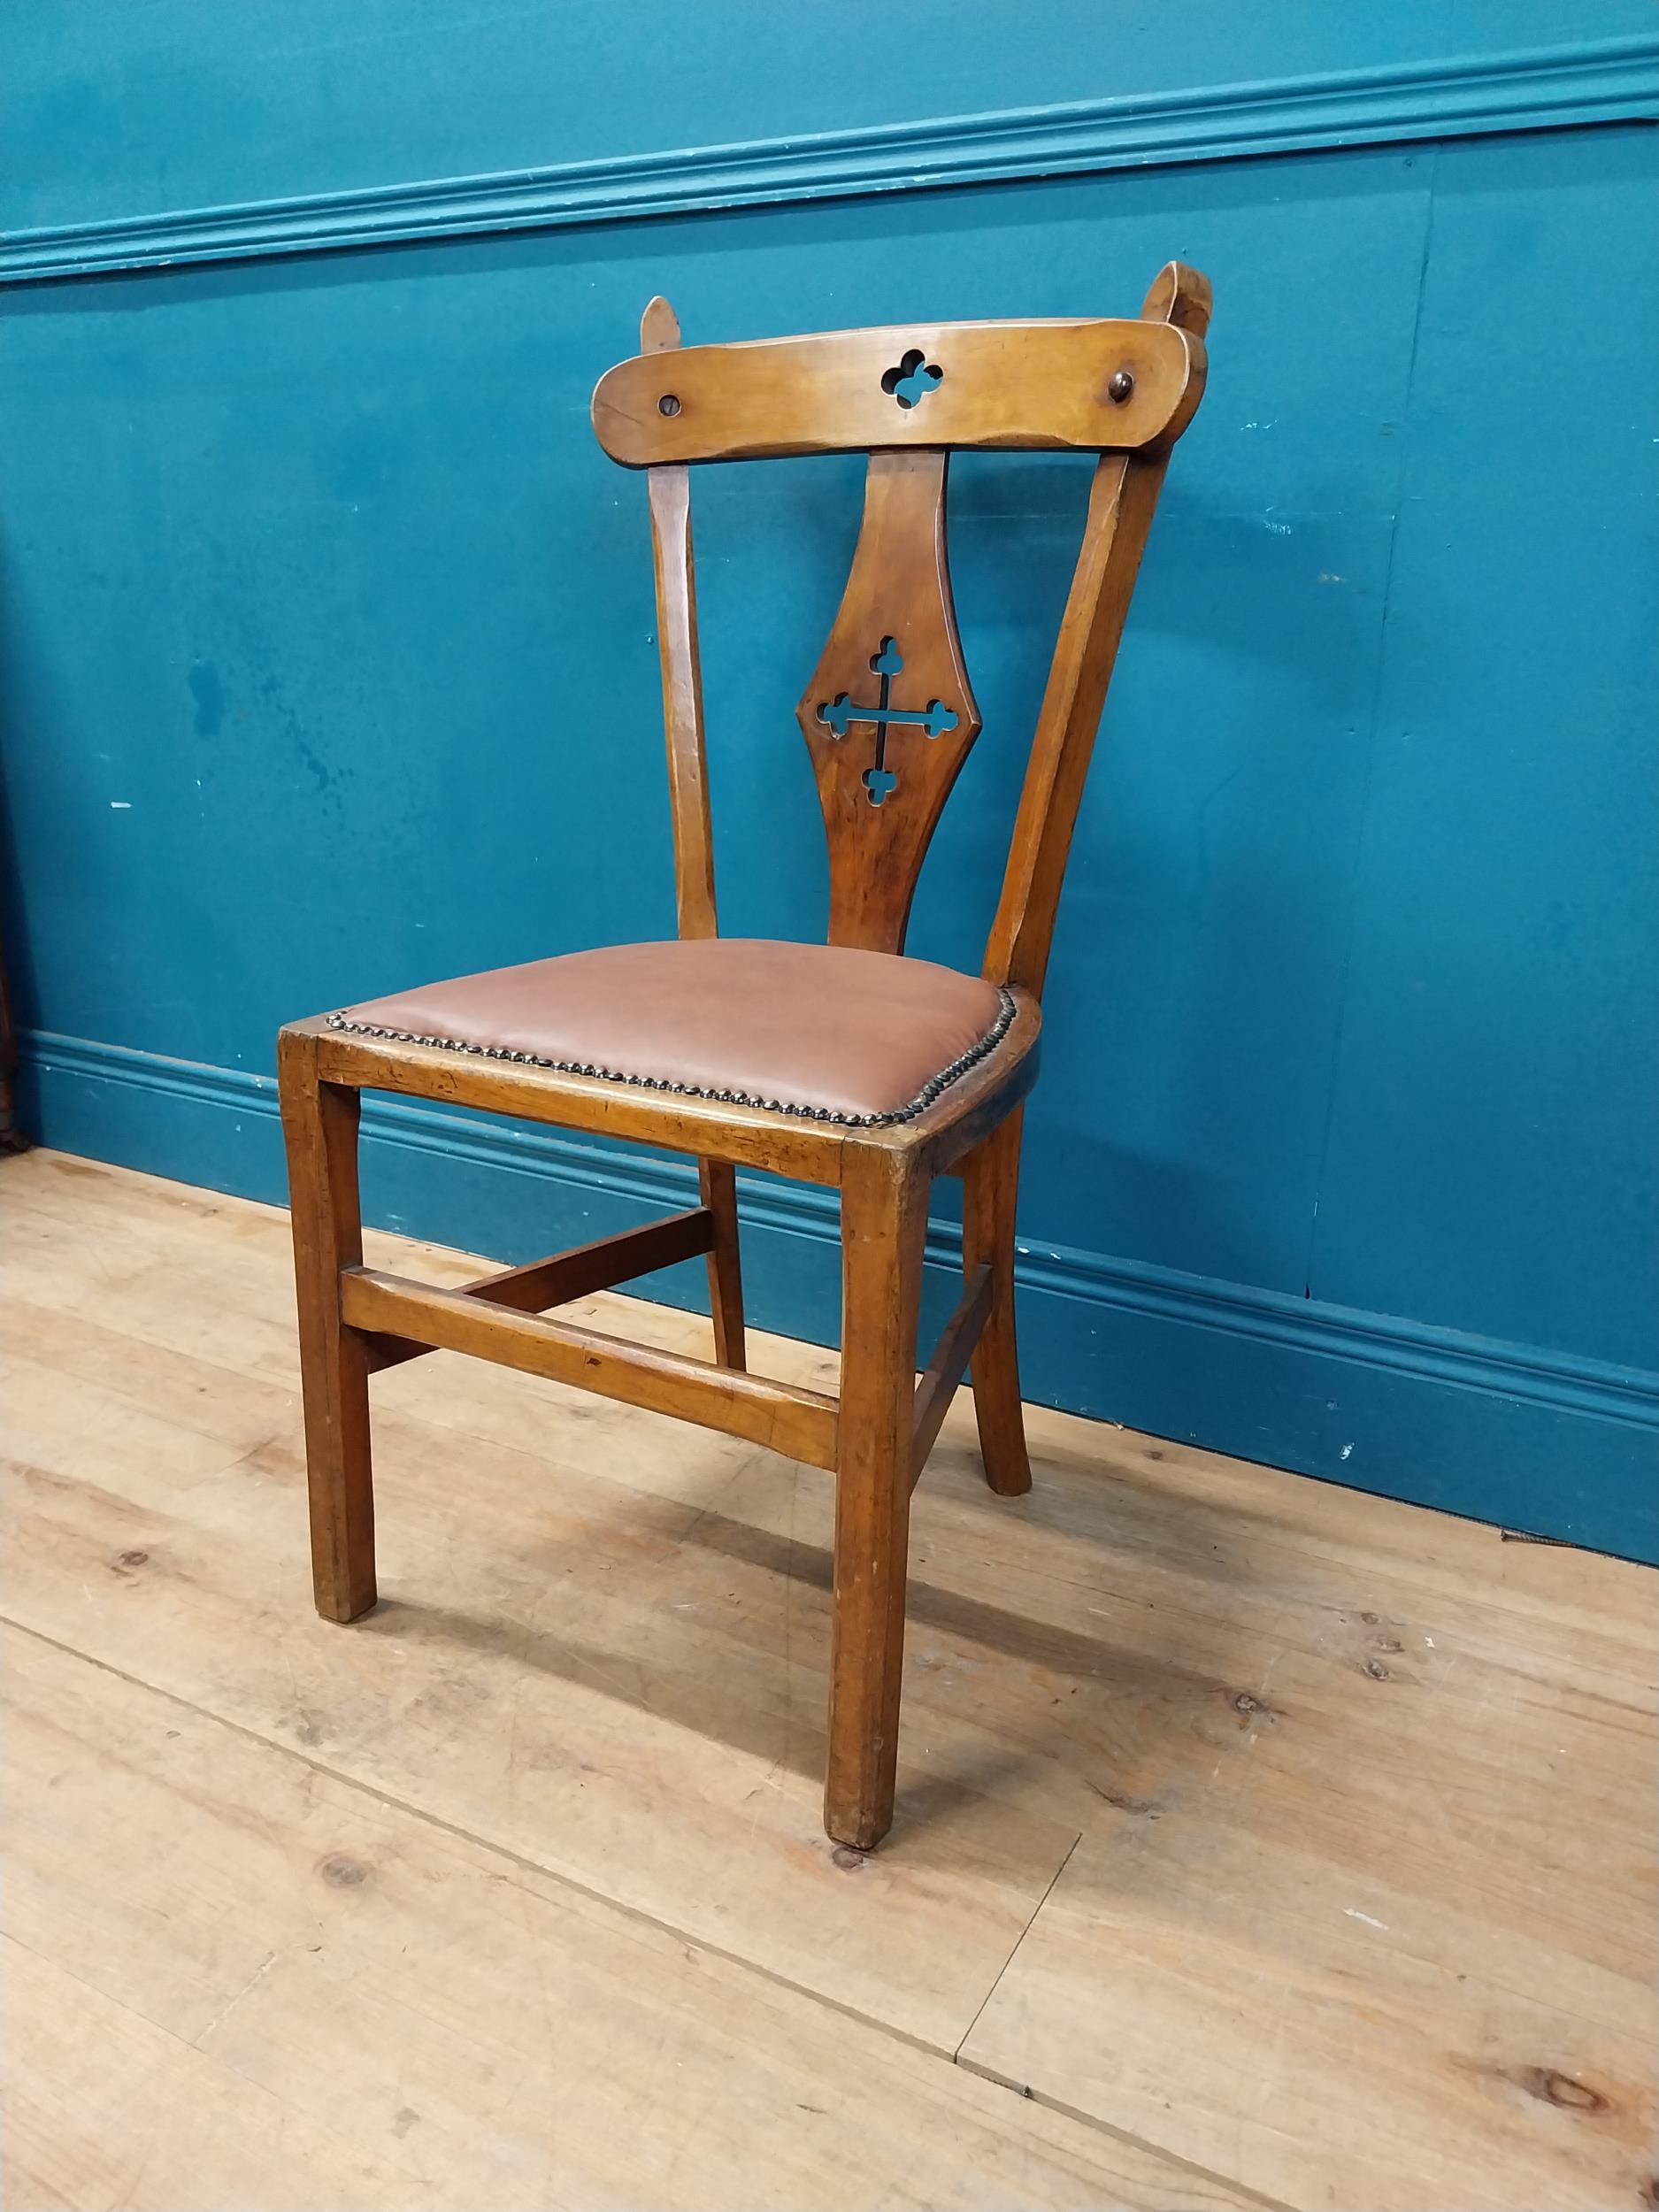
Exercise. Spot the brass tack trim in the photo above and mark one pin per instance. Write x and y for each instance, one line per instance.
(929, 1091)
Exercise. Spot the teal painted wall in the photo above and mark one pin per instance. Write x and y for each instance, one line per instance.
(312, 575)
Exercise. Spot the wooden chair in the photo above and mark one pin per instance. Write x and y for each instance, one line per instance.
(843, 1063)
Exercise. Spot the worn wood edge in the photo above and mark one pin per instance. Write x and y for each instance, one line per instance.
(971, 1108)
(799, 1423)
(576, 1273)
(746, 1135)
(1168, 359)
(673, 565)
(1547, 87)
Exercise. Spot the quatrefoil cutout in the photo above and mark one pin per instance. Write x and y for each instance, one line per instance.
(912, 379)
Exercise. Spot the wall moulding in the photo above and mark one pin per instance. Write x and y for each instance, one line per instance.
(1544, 88)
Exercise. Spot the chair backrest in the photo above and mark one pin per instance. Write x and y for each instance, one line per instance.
(889, 715)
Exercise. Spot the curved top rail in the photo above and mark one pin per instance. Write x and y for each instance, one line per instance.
(1098, 386)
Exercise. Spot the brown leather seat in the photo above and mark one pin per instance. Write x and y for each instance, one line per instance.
(821, 1031)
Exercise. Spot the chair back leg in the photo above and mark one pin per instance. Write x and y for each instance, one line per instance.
(884, 1227)
(990, 1182)
(319, 1123)
(718, 1182)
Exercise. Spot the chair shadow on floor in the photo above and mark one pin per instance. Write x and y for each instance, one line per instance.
(1048, 1711)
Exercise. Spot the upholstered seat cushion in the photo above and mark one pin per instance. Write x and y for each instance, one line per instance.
(822, 1031)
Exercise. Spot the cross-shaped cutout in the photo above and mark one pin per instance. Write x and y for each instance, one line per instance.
(839, 714)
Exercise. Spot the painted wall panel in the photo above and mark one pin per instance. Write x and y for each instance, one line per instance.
(1497, 1090)
(398, 643)
(112, 111)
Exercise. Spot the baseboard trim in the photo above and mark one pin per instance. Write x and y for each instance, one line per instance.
(1544, 88)
(1563, 1382)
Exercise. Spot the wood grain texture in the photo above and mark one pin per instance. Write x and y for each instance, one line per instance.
(99, 2107)
(990, 1192)
(718, 1183)
(884, 1228)
(539, 1285)
(1009, 384)
(300, 1995)
(945, 1369)
(574, 1632)
(779, 1415)
(675, 568)
(669, 491)
(883, 788)
(320, 1122)
(1354, 1801)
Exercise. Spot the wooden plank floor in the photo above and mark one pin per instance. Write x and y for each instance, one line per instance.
(1258, 1842)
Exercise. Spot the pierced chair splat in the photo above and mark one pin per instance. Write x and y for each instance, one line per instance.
(846, 1063)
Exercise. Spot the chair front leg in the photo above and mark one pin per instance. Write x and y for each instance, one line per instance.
(319, 1121)
(884, 1226)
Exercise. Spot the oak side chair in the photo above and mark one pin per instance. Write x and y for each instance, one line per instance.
(843, 1063)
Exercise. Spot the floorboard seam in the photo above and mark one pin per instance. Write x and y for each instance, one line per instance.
(1029, 2095)
(1532, 1644)
(956, 2056)
(403, 1805)
(93, 1989)
(667, 1927)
